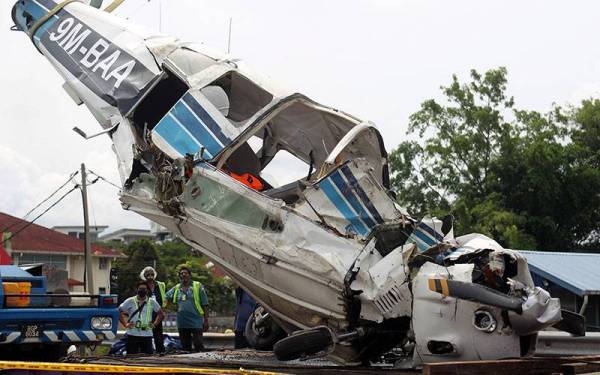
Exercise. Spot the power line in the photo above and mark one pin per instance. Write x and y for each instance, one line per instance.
(104, 179)
(51, 195)
(13, 235)
(44, 201)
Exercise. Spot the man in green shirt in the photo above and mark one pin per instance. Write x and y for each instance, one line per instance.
(192, 310)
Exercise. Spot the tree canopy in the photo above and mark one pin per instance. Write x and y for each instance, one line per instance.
(529, 180)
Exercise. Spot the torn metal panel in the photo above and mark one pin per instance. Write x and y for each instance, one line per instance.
(350, 200)
(123, 139)
(539, 312)
(191, 126)
(384, 286)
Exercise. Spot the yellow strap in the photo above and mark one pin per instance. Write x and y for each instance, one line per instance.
(162, 289)
(175, 293)
(113, 5)
(196, 285)
(121, 369)
(47, 16)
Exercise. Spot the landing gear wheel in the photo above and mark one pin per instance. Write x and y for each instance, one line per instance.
(262, 332)
(54, 353)
(302, 343)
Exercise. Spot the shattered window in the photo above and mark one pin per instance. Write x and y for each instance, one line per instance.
(305, 130)
(158, 102)
(284, 168)
(245, 97)
(255, 143)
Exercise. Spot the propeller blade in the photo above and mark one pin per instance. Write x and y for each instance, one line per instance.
(476, 293)
(571, 322)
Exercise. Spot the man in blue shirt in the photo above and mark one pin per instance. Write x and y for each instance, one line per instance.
(192, 310)
(136, 316)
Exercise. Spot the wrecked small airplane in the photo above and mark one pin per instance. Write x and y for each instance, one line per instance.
(330, 255)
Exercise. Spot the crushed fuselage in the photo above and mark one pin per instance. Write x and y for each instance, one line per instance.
(194, 133)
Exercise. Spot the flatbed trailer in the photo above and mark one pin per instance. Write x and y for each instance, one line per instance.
(249, 362)
(265, 362)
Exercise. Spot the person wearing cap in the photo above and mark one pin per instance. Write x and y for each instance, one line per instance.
(156, 291)
(136, 316)
(192, 310)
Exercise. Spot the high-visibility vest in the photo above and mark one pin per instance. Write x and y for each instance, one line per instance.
(143, 322)
(196, 285)
(163, 294)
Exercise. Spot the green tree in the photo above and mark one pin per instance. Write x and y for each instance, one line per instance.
(140, 253)
(524, 178)
(167, 258)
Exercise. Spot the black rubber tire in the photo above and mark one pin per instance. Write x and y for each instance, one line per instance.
(270, 333)
(54, 352)
(301, 343)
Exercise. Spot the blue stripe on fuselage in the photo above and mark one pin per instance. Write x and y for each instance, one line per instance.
(361, 193)
(49, 4)
(175, 136)
(35, 9)
(339, 203)
(206, 118)
(431, 231)
(423, 237)
(195, 127)
(351, 198)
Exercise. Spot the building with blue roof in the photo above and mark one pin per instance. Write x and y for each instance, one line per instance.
(572, 277)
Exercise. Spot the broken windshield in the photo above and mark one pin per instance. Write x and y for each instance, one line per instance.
(309, 133)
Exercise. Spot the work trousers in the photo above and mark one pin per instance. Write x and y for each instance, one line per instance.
(139, 344)
(187, 336)
(159, 340)
(240, 340)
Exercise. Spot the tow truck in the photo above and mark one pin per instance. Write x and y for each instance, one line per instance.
(35, 322)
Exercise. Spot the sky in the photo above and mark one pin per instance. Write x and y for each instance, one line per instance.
(376, 59)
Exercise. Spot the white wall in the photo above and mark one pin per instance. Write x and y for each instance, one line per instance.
(101, 277)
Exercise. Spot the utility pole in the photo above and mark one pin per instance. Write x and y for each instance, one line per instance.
(88, 275)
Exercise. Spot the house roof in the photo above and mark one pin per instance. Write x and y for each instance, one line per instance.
(93, 228)
(576, 272)
(36, 238)
(127, 232)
